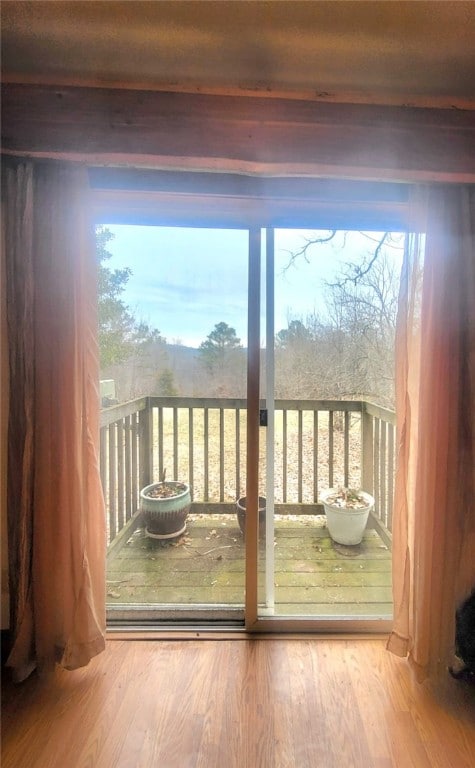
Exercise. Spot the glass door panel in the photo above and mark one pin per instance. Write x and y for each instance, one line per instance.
(329, 402)
(173, 332)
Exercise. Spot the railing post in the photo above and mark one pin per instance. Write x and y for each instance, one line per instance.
(367, 447)
(146, 445)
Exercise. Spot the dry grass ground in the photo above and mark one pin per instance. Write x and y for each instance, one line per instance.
(282, 454)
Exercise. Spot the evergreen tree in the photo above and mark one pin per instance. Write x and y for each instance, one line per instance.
(120, 333)
(166, 384)
(219, 343)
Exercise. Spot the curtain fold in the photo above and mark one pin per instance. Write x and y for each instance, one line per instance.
(55, 504)
(434, 515)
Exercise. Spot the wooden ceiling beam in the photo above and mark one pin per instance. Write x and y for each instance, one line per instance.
(238, 133)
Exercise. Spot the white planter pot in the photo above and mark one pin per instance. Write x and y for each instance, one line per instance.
(346, 525)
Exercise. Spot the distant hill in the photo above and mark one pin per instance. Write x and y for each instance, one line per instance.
(143, 374)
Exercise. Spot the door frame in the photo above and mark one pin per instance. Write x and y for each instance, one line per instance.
(190, 199)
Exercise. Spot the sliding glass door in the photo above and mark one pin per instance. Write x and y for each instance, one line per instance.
(252, 367)
(327, 421)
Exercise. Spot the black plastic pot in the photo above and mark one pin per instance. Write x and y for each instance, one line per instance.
(241, 515)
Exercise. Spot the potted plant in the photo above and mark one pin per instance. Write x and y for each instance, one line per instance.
(165, 507)
(347, 512)
(241, 514)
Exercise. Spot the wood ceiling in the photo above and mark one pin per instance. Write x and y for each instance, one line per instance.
(391, 52)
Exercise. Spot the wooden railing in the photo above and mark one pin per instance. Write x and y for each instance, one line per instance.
(124, 447)
(317, 444)
(379, 460)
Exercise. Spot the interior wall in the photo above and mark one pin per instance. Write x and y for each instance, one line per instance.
(387, 50)
(5, 608)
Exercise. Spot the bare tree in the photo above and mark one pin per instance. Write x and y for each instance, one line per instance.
(346, 351)
(363, 312)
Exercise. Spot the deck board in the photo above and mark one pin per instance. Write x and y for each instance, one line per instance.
(313, 575)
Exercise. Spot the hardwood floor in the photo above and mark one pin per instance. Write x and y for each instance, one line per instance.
(279, 703)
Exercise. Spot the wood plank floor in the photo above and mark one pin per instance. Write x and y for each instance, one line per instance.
(313, 575)
(279, 703)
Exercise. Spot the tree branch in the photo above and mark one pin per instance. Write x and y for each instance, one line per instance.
(294, 255)
(359, 271)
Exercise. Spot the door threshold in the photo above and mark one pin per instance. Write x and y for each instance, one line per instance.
(230, 633)
(174, 614)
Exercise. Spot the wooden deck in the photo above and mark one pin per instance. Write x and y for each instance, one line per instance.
(205, 567)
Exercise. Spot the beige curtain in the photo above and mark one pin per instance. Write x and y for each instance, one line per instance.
(434, 519)
(56, 518)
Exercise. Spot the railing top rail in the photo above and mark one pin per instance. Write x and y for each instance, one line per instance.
(233, 403)
(379, 412)
(229, 403)
(319, 405)
(117, 412)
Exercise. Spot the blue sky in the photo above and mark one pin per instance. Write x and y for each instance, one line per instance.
(185, 280)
